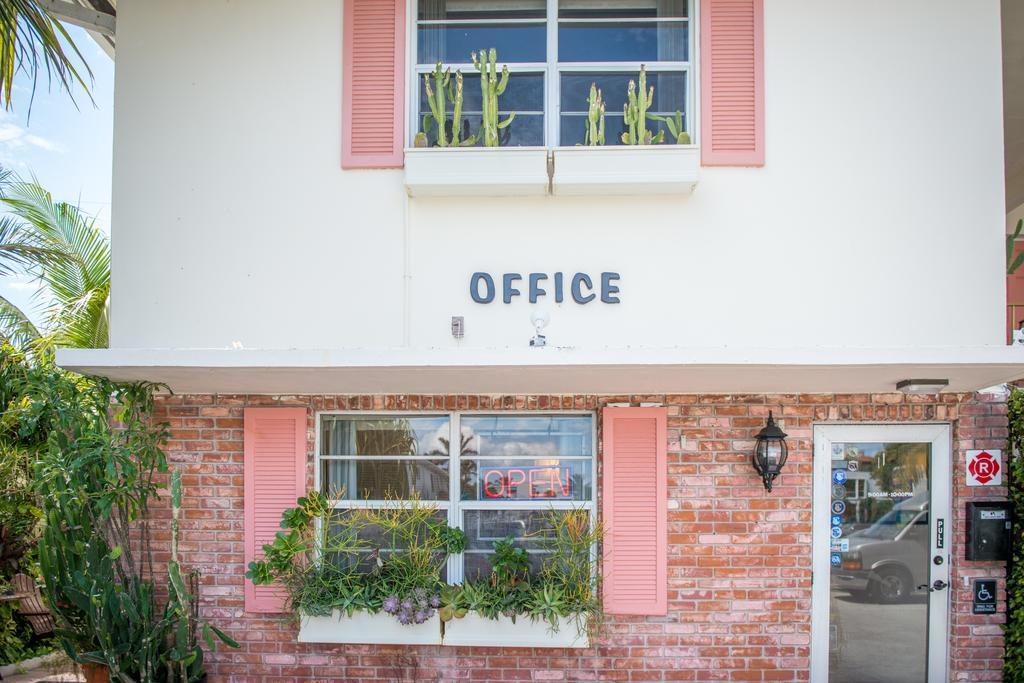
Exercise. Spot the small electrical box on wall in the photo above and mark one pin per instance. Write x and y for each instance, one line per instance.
(988, 531)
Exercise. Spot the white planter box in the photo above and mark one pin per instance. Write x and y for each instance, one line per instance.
(476, 171)
(479, 631)
(369, 629)
(625, 170)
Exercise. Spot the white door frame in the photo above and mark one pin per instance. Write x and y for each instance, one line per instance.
(938, 435)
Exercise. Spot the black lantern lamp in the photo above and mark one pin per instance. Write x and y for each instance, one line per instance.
(770, 452)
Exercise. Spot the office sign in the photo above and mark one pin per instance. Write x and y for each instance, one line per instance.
(580, 288)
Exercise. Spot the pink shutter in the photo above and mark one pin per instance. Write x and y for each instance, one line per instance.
(275, 477)
(732, 82)
(634, 492)
(374, 84)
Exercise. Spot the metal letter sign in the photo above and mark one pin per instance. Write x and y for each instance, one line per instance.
(582, 288)
(983, 468)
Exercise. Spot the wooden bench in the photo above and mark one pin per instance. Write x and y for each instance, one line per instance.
(30, 605)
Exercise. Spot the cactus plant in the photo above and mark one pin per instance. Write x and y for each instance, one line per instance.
(443, 85)
(436, 100)
(635, 113)
(594, 134)
(675, 126)
(491, 87)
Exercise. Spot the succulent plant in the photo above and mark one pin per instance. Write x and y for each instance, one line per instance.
(675, 126)
(443, 85)
(635, 113)
(491, 87)
(594, 134)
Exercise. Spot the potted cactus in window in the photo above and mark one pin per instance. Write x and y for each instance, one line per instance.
(433, 168)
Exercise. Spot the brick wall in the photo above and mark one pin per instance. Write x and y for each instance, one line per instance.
(739, 558)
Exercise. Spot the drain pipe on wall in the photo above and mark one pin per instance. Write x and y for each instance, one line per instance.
(406, 275)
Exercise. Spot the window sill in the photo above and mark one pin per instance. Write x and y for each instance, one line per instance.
(363, 628)
(524, 171)
(661, 169)
(478, 631)
(476, 171)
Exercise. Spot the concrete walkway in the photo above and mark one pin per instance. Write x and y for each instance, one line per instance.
(58, 670)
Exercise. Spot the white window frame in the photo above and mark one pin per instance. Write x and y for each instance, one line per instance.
(552, 85)
(454, 507)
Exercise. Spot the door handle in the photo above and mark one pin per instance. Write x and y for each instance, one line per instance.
(938, 585)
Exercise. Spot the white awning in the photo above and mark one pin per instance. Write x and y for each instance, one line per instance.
(551, 370)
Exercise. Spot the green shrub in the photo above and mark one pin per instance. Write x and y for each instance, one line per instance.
(1013, 666)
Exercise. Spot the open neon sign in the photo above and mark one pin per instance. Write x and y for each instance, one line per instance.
(526, 483)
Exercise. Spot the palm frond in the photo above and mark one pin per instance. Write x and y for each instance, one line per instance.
(21, 250)
(78, 279)
(15, 327)
(33, 42)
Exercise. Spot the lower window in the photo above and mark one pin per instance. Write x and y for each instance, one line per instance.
(509, 473)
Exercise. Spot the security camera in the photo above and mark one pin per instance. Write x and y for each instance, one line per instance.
(540, 320)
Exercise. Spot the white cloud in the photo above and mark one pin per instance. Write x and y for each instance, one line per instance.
(14, 137)
(25, 286)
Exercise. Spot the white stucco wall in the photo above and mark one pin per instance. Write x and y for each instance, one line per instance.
(877, 221)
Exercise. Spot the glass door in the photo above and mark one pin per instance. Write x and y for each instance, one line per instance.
(881, 553)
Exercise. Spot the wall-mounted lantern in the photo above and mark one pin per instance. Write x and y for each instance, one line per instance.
(770, 452)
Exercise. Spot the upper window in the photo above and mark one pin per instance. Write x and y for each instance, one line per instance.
(555, 50)
(508, 472)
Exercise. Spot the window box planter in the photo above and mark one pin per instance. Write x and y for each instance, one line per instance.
(479, 631)
(625, 170)
(476, 171)
(368, 629)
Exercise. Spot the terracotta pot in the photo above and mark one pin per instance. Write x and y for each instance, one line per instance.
(96, 673)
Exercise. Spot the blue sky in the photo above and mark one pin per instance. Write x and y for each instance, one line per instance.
(67, 148)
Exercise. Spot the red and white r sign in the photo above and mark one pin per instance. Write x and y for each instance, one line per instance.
(983, 468)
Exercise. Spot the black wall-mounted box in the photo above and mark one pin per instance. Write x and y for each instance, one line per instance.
(988, 531)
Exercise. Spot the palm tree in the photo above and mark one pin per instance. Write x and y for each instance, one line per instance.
(32, 41)
(71, 257)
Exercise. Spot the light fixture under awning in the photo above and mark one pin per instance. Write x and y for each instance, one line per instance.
(550, 370)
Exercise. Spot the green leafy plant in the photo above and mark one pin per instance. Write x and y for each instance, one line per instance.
(675, 127)
(70, 255)
(594, 134)
(565, 587)
(1013, 630)
(32, 41)
(635, 113)
(335, 564)
(491, 87)
(1012, 264)
(97, 477)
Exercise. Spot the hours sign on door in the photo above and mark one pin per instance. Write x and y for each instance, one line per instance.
(983, 468)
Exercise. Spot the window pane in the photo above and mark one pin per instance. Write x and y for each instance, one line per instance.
(525, 92)
(536, 480)
(527, 130)
(623, 42)
(622, 9)
(541, 436)
(484, 527)
(669, 97)
(481, 9)
(383, 436)
(373, 539)
(453, 43)
(385, 479)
